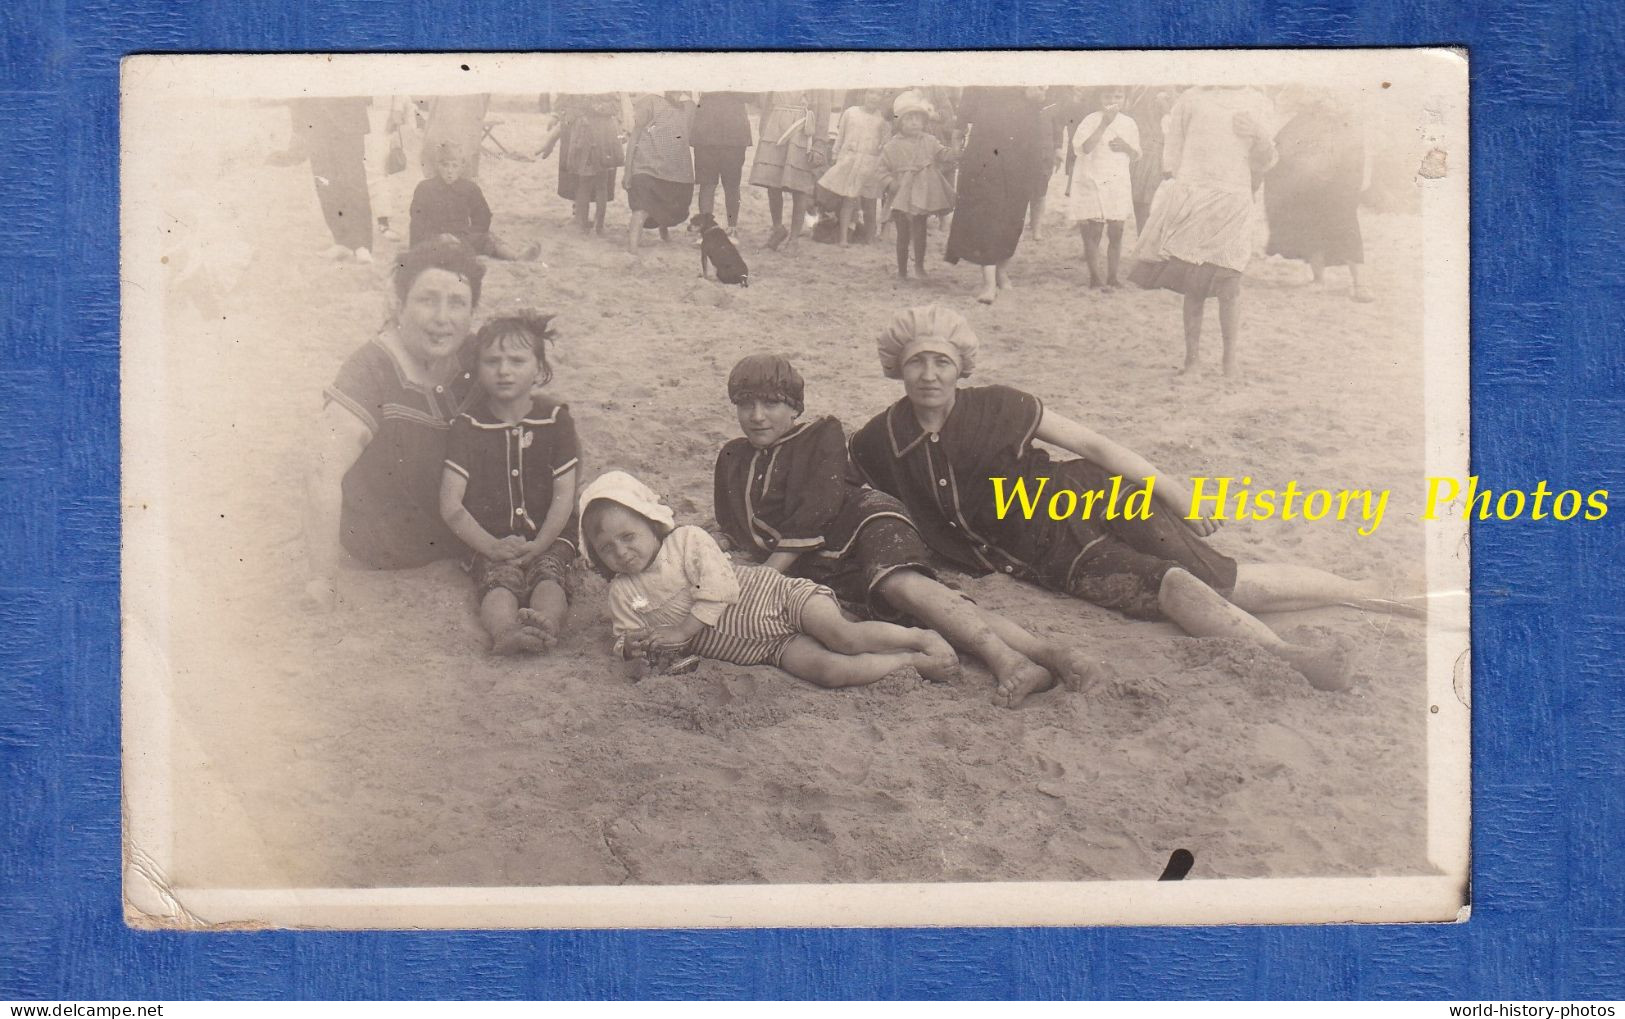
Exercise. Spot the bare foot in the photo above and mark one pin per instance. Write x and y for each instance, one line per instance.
(1324, 668)
(919, 268)
(939, 662)
(988, 295)
(518, 641)
(530, 619)
(1074, 669)
(777, 237)
(1019, 683)
(1189, 368)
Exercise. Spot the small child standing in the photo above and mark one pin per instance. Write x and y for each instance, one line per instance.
(912, 178)
(855, 174)
(673, 588)
(509, 486)
(449, 204)
(1107, 142)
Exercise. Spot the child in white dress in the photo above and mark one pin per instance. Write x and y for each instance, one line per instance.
(1107, 143)
(855, 174)
(672, 589)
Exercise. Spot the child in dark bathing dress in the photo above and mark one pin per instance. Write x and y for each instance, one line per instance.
(787, 496)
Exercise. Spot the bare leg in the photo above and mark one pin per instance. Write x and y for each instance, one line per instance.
(990, 284)
(1091, 249)
(1359, 291)
(1001, 275)
(775, 208)
(798, 216)
(806, 659)
(1035, 221)
(546, 612)
(634, 231)
(1230, 327)
(902, 244)
(1201, 611)
(822, 620)
(1279, 587)
(1194, 306)
(499, 614)
(871, 229)
(848, 205)
(1114, 251)
(973, 631)
(1317, 267)
(499, 248)
(585, 186)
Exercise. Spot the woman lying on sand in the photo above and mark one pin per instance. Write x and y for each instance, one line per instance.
(786, 494)
(373, 485)
(937, 448)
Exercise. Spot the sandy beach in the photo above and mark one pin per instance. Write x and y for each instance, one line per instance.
(382, 746)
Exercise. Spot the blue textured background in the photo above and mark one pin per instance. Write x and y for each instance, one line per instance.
(1548, 367)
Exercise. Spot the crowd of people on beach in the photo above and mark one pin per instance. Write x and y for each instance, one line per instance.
(439, 439)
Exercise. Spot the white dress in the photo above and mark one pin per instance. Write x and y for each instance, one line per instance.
(1102, 181)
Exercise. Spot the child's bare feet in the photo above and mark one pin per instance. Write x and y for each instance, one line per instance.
(1324, 668)
(535, 623)
(1075, 669)
(1016, 684)
(518, 641)
(938, 662)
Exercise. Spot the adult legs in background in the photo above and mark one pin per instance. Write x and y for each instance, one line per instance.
(586, 189)
(338, 167)
(1194, 305)
(990, 285)
(1230, 323)
(733, 165)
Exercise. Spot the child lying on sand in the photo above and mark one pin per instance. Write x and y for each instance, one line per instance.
(673, 588)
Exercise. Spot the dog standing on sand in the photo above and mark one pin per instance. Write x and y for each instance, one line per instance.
(716, 249)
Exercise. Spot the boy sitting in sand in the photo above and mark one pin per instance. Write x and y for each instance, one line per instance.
(673, 588)
(509, 485)
(449, 205)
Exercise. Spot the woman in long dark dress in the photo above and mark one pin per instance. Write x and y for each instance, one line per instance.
(1312, 195)
(1002, 159)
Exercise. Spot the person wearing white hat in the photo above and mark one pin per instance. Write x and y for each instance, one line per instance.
(673, 590)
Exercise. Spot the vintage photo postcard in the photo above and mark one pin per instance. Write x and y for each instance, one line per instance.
(847, 489)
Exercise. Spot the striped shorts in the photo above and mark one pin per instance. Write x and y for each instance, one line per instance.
(767, 617)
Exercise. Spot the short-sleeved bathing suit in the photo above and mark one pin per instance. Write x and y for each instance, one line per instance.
(944, 480)
(510, 470)
(801, 494)
(390, 518)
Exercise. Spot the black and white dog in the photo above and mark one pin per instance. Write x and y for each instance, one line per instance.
(716, 249)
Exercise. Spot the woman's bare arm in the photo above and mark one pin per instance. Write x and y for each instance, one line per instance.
(1119, 459)
(340, 439)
